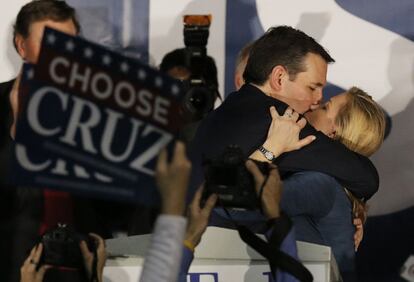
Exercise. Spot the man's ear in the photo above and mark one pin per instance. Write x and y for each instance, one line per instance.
(277, 77)
(20, 44)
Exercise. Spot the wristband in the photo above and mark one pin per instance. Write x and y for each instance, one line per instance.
(189, 245)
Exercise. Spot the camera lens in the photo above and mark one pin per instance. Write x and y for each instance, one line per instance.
(199, 100)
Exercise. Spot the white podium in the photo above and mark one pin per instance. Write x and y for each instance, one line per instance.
(221, 257)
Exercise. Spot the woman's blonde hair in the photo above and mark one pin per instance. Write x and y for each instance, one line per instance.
(360, 123)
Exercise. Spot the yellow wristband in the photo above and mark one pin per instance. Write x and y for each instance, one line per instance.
(189, 245)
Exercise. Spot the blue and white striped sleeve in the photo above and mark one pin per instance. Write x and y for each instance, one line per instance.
(163, 258)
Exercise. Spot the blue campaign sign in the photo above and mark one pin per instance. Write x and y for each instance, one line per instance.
(93, 121)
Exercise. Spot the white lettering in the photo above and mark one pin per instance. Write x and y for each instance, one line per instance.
(109, 133)
(161, 110)
(82, 78)
(33, 110)
(53, 66)
(151, 152)
(85, 127)
(144, 105)
(60, 168)
(81, 172)
(101, 78)
(24, 161)
(129, 92)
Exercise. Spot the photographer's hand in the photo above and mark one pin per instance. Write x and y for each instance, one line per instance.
(88, 256)
(29, 271)
(283, 134)
(172, 179)
(272, 190)
(198, 217)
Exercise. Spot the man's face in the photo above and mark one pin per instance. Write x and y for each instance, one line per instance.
(324, 118)
(306, 89)
(29, 48)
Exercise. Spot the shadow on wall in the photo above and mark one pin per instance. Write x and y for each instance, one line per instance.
(388, 238)
(315, 24)
(394, 160)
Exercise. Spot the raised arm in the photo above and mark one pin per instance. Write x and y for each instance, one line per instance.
(163, 259)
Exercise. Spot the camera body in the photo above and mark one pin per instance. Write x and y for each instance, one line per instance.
(202, 86)
(228, 177)
(61, 247)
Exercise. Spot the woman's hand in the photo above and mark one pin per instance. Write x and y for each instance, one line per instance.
(283, 134)
(29, 271)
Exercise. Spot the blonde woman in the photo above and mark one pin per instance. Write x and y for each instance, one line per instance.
(326, 216)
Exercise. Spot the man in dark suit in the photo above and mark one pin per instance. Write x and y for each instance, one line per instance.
(287, 68)
(23, 214)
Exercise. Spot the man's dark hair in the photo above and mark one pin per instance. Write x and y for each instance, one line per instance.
(284, 46)
(178, 58)
(40, 10)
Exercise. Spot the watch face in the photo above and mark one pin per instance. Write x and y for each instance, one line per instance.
(269, 156)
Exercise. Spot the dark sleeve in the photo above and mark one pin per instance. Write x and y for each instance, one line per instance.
(311, 193)
(281, 236)
(278, 230)
(186, 260)
(353, 171)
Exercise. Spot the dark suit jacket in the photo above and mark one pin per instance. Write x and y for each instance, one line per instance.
(244, 119)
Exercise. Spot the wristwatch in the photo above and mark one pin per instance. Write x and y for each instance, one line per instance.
(267, 154)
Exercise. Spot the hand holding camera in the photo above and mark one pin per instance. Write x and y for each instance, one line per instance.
(198, 217)
(228, 177)
(63, 247)
(30, 272)
(89, 256)
(268, 188)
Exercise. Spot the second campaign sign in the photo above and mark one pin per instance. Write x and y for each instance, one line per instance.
(89, 111)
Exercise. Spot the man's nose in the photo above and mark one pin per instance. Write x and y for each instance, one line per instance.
(318, 96)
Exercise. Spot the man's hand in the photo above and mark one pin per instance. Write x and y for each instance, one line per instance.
(88, 256)
(360, 213)
(29, 271)
(198, 217)
(272, 190)
(172, 179)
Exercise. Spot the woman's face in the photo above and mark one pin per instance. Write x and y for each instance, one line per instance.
(323, 118)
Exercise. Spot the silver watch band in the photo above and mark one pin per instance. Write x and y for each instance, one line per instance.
(267, 154)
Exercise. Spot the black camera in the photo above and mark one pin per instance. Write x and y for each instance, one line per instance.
(202, 86)
(61, 247)
(228, 177)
